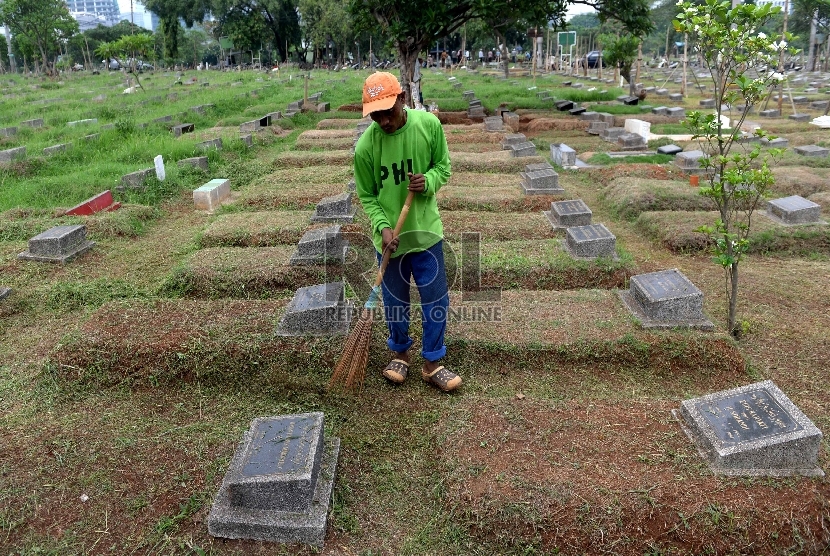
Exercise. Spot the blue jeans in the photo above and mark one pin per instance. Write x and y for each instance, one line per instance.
(427, 268)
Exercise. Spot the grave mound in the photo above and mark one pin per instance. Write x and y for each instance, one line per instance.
(242, 273)
(456, 138)
(306, 159)
(492, 199)
(473, 148)
(497, 161)
(221, 342)
(676, 231)
(255, 229)
(479, 179)
(338, 123)
(495, 226)
(556, 124)
(334, 143)
(800, 180)
(629, 196)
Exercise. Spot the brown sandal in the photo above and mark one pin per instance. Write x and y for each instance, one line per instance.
(443, 378)
(396, 371)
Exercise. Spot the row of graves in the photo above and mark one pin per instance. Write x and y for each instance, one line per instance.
(278, 485)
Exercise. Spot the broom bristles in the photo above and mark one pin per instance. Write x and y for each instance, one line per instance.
(351, 368)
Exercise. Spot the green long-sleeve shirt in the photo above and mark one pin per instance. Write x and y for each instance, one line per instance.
(381, 166)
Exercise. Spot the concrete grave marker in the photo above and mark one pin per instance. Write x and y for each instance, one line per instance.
(8, 131)
(777, 143)
(794, 210)
(181, 129)
(769, 113)
(589, 116)
(5, 292)
(564, 214)
(577, 111)
(631, 142)
(752, 430)
(493, 123)
(278, 486)
(689, 161)
(54, 149)
(212, 194)
(200, 162)
(10, 155)
(669, 149)
(248, 139)
(253, 125)
(512, 139)
(83, 122)
(135, 180)
(38, 122)
(590, 241)
(158, 161)
(523, 149)
(596, 127)
(321, 246)
(812, 150)
(562, 154)
(541, 182)
(660, 111)
(611, 134)
(58, 245)
(666, 299)
(337, 208)
(210, 144)
(640, 127)
(101, 202)
(319, 310)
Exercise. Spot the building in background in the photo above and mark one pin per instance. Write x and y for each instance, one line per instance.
(90, 13)
(135, 12)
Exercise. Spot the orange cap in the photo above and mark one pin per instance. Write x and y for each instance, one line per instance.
(379, 92)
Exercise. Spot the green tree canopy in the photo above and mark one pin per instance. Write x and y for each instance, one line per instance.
(40, 26)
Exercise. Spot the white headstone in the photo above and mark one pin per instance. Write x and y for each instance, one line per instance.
(641, 128)
(159, 167)
(724, 121)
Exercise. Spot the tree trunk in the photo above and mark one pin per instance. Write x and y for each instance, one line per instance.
(408, 54)
(504, 55)
(734, 329)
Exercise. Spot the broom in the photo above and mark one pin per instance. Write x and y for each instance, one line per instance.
(351, 369)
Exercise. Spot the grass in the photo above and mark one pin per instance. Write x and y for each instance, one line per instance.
(129, 375)
(603, 159)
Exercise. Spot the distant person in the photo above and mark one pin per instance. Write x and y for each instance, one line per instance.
(480, 56)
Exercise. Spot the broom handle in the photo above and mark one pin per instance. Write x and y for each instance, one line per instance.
(387, 253)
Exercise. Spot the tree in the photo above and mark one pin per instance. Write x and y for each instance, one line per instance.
(252, 23)
(326, 22)
(170, 12)
(731, 48)
(621, 51)
(43, 24)
(414, 26)
(126, 50)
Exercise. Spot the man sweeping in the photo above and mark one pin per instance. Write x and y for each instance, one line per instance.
(405, 150)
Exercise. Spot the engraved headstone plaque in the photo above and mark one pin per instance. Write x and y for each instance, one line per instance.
(58, 245)
(753, 430)
(318, 310)
(279, 483)
(337, 208)
(590, 242)
(321, 246)
(564, 214)
(794, 210)
(666, 299)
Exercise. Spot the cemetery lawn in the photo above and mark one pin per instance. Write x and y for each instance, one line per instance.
(128, 376)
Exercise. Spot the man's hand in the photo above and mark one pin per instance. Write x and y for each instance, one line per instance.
(388, 241)
(417, 183)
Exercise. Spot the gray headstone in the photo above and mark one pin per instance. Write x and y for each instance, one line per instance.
(91, 137)
(337, 208)
(590, 241)
(135, 180)
(596, 127)
(812, 150)
(562, 154)
(180, 129)
(513, 139)
(689, 160)
(541, 182)
(210, 144)
(321, 246)
(677, 97)
(800, 117)
(778, 142)
(8, 131)
(676, 112)
(661, 92)
(200, 162)
(493, 123)
(319, 310)
(769, 113)
(162, 119)
(253, 125)
(800, 100)
(589, 116)
(666, 299)
(278, 486)
(606, 117)
(660, 111)
(83, 122)
(511, 119)
(564, 214)
(753, 430)
(538, 166)
(794, 210)
(707, 103)
(5, 292)
(611, 134)
(669, 149)
(631, 141)
(523, 149)
(577, 111)
(58, 245)
(563, 105)
(819, 104)
(10, 155)
(38, 122)
(54, 149)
